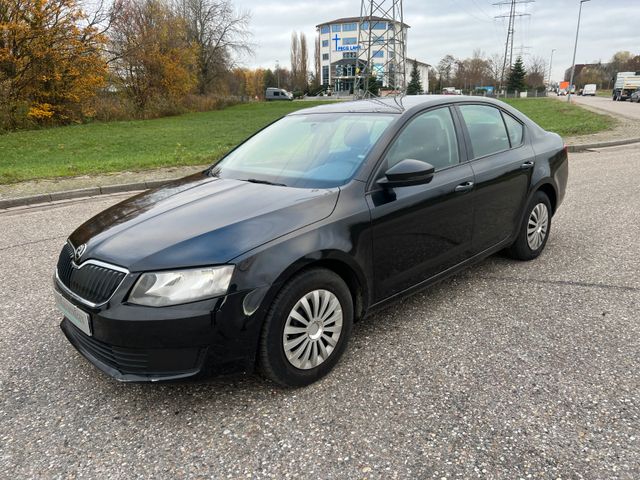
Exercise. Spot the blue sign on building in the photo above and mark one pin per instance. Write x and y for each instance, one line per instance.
(344, 48)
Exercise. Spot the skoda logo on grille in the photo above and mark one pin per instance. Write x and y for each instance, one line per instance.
(79, 251)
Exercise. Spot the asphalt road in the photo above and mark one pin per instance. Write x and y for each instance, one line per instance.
(624, 109)
(509, 370)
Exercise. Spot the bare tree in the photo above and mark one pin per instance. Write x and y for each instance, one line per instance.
(536, 72)
(295, 59)
(304, 62)
(218, 32)
(495, 67)
(445, 70)
(316, 62)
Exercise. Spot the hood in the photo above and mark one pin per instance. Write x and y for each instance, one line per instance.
(199, 220)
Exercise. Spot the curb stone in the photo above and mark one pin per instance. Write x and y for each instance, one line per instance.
(613, 143)
(79, 193)
(138, 186)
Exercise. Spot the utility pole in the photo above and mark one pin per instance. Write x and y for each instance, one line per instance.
(575, 48)
(508, 46)
(550, 65)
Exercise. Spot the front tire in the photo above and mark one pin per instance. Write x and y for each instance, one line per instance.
(534, 231)
(307, 328)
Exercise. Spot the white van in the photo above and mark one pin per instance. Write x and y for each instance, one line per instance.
(589, 89)
(273, 93)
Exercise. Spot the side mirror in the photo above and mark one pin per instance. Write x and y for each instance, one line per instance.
(407, 173)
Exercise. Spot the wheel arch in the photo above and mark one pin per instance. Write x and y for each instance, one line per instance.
(550, 191)
(339, 263)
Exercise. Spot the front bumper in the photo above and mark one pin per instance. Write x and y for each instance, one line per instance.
(133, 343)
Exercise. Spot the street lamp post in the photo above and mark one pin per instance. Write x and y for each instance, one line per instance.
(575, 48)
(278, 72)
(550, 65)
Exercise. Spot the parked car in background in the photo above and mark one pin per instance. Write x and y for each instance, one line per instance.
(635, 96)
(266, 259)
(589, 90)
(273, 93)
(626, 84)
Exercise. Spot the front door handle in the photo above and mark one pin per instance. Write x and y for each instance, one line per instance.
(464, 187)
(527, 165)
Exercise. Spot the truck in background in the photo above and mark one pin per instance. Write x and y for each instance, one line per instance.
(563, 88)
(589, 90)
(626, 84)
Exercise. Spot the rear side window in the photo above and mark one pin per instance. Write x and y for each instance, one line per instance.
(429, 137)
(515, 130)
(486, 128)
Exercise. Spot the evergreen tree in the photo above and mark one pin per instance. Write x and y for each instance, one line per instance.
(517, 74)
(414, 87)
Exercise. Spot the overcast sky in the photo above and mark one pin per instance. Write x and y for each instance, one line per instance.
(439, 27)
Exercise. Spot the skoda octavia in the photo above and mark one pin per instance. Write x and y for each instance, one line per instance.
(267, 258)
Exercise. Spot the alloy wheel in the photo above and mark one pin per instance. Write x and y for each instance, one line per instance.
(312, 329)
(538, 226)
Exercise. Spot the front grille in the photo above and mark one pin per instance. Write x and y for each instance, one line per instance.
(93, 283)
(125, 360)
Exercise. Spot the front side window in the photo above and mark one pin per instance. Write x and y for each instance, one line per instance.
(325, 56)
(306, 151)
(514, 129)
(378, 54)
(335, 28)
(349, 27)
(429, 137)
(349, 41)
(325, 43)
(379, 26)
(324, 29)
(486, 128)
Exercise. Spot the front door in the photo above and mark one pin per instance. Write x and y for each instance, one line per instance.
(420, 231)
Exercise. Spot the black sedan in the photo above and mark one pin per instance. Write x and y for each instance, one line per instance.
(266, 259)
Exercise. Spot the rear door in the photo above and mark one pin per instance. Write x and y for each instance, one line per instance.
(503, 160)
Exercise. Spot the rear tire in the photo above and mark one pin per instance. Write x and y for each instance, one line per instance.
(307, 328)
(534, 230)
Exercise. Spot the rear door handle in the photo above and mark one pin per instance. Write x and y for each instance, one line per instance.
(464, 187)
(527, 165)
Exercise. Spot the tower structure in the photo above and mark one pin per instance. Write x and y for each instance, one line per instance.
(383, 39)
(508, 47)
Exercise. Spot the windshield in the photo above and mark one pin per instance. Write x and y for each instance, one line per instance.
(321, 150)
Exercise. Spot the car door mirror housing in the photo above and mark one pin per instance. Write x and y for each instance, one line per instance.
(407, 173)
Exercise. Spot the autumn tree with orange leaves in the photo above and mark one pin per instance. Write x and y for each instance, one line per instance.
(50, 62)
(153, 59)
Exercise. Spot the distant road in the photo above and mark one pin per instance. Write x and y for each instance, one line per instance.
(623, 109)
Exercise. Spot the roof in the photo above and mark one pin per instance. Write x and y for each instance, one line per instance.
(410, 61)
(357, 19)
(391, 104)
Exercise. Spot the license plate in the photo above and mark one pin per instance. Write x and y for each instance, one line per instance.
(76, 316)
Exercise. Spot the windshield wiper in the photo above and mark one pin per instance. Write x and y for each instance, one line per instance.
(266, 182)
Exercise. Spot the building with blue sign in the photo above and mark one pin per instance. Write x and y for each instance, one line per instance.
(340, 50)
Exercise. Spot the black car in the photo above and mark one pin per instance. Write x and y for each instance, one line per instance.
(267, 258)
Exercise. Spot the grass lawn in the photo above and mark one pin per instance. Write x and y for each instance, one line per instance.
(561, 117)
(191, 139)
(196, 139)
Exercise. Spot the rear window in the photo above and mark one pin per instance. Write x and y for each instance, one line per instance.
(487, 132)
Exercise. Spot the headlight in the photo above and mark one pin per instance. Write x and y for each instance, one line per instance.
(158, 289)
